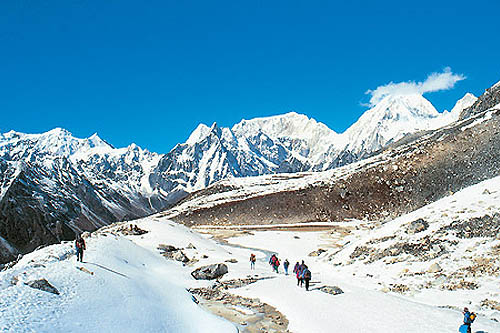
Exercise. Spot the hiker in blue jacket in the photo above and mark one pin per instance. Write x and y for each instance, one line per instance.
(306, 276)
(468, 320)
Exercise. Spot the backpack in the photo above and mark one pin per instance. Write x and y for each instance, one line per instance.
(472, 317)
(307, 274)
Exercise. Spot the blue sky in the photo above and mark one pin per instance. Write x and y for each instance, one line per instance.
(150, 71)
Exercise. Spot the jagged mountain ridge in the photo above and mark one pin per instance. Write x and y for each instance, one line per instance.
(293, 143)
(54, 184)
(399, 180)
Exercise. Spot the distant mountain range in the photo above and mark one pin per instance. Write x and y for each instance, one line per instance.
(53, 185)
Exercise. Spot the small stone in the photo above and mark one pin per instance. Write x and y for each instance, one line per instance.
(434, 268)
(180, 256)
(332, 290)
(166, 248)
(316, 253)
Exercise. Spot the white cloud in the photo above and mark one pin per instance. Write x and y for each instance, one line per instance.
(434, 82)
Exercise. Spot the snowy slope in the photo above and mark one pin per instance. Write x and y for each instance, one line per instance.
(461, 236)
(133, 289)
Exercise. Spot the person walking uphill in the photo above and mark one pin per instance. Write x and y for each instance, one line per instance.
(80, 247)
(469, 318)
(252, 261)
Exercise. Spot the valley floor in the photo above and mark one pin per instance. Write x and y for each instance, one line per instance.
(135, 289)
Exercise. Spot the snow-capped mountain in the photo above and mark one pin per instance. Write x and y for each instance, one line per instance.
(396, 116)
(396, 181)
(54, 184)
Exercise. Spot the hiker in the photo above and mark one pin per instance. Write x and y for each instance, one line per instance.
(285, 266)
(296, 271)
(306, 276)
(252, 261)
(276, 265)
(300, 274)
(468, 320)
(80, 247)
(272, 260)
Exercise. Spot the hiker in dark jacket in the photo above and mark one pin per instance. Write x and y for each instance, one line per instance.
(285, 266)
(252, 261)
(306, 275)
(80, 247)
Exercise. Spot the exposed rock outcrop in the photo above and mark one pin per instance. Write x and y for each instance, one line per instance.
(210, 272)
(44, 285)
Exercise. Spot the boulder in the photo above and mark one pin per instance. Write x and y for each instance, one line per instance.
(434, 268)
(209, 272)
(166, 248)
(191, 246)
(43, 285)
(232, 261)
(417, 226)
(332, 290)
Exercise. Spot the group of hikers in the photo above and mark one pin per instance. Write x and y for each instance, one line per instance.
(301, 270)
(303, 274)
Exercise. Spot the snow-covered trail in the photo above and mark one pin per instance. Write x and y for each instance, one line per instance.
(359, 309)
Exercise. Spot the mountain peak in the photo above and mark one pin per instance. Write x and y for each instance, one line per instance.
(198, 134)
(291, 124)
(58, 131)
(392, 118)
(463, 103)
